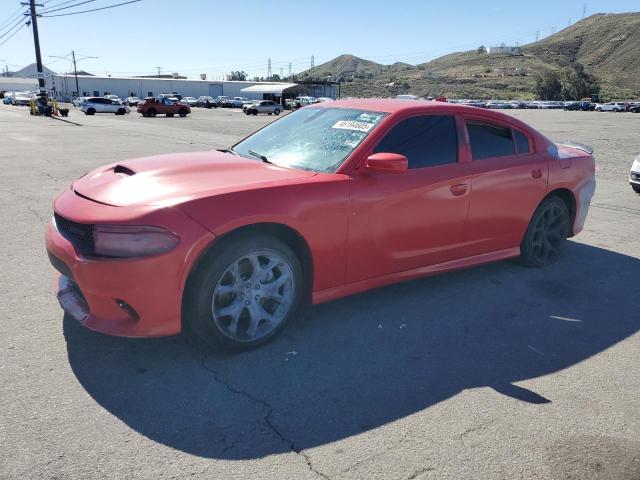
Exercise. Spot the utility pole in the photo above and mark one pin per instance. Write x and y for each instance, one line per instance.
(159, 70)
(584, 10)
(313, 61)
(289, 69)
(537, 35)
(75, 72)
(36, 40)
(268, 68)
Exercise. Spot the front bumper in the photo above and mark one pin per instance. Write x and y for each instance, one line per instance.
(134, 297)
(634, 178)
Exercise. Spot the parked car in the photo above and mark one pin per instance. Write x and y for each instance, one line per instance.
(114, 98)
(21, 99)
(634, 175)
(225, 102)
(93, 105)
(265, 106)
(635, 108)
(78, 101)
(131, 101)
(610, 107)
(151, 107)
(206, 101)
(191, 101)
(214, 240)
(303, 101)
(7, 100)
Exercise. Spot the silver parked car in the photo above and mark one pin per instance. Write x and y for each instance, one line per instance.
(93, 105)
(264, 106)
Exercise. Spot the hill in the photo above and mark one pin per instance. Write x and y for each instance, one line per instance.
(608, 45)
(30, 71)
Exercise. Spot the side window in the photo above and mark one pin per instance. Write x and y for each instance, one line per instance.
(488, 141)
(522, 142)
(426, 141)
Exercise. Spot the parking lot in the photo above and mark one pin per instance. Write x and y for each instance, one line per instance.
(489, 373)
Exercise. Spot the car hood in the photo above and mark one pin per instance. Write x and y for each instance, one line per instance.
(171, 179)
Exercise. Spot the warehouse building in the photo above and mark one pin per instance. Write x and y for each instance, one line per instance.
(63, 87)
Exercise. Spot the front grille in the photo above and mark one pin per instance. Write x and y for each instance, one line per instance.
(79, 234)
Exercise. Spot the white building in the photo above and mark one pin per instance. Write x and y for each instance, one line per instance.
(17, 84)
(63, 87)
(504, 50)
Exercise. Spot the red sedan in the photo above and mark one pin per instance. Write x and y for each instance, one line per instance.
(331, 200)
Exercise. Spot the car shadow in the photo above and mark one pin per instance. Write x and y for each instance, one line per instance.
(355, 364)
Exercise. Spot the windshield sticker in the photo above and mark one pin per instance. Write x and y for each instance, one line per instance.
(352, 125)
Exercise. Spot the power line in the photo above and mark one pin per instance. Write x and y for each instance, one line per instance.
(92, 10)
(12, 27)
(7, 39)
(70, 6)
(12, 17)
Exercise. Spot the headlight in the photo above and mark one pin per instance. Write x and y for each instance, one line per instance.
(132, 240)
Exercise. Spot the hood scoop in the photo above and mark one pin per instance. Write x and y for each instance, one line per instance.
(123, 171)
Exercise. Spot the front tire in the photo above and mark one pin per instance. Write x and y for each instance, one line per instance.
(636, 188)
(151, 112)
(276, 111)
(91, 111)
(546, 236)
(183, 112)
(244, 294)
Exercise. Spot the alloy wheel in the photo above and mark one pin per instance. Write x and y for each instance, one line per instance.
(549, 234)
(253, 296)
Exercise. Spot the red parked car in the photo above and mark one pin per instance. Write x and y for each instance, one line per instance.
(333, 199)
(150, 107)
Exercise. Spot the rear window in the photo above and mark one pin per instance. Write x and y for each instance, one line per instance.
(490, 140)
(426, 140)
(522, 142)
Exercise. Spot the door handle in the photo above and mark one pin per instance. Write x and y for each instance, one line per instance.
(536, 173)
(459, 189)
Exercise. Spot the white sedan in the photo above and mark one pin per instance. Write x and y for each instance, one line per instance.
(634, 176)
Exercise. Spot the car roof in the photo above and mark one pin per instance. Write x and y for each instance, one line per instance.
(394, 105)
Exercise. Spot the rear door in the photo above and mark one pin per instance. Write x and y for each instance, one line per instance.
(509, 179)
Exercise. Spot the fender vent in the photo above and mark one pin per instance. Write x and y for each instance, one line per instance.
(123, 171)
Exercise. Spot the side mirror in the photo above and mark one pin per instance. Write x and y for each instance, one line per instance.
(387, 162)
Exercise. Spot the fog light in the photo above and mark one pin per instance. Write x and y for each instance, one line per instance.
(127, 308)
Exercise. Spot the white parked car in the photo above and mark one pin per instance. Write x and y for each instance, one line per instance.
(191, 101)
(634, 176)
(114, 97)
(303, 101)
(21, 98)
(93, 105)
(610, 107)
(77, 102)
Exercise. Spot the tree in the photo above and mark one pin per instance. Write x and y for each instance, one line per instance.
(238, 75)
(577, 83)
(275, 77)
(481, 49)
(548, 86)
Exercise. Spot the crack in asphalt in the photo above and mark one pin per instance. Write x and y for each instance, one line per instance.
(418, 472)
(267, 417)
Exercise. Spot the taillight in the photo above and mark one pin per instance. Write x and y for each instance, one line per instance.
(132, 240)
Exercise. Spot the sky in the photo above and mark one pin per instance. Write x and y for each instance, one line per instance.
(214, 37)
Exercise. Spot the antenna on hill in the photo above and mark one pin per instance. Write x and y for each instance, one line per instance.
(569, 22)
(537, 35)
(584, 10)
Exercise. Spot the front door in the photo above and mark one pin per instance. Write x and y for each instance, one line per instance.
(416, 218)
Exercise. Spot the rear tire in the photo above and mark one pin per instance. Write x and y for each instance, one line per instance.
(152, 112)
(277, 111)
(636, 188)
(91, 111)
(546, 236)
(244, 294)
(121, 111)
(183, 112)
